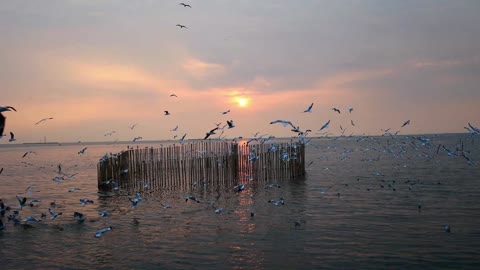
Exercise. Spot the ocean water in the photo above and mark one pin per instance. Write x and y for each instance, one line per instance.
(356, 208)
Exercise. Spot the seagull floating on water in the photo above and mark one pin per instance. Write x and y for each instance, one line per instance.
(79, 216)
(85, 201)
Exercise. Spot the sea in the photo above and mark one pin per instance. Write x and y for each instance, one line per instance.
(365, 202)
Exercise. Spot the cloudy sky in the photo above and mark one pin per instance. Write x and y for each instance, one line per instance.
(97, 66)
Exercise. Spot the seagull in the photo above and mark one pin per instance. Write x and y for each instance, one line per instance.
(1, 225)
(283, 122)
(183, 138)
(137, 138)
(43, 120)
(99, 233)
(166, 206)
(53, 214)
(2, 118)
(12, 137)
(211, 132)
(336, 110)
(230, 124)
(134, 125)
(1, 170)
(351, 122)
(181, 26)
(225, 112)
(109, 133)
(185, 5)
(173, 95)
(167, 113)
(406, 123)
(30, 218)
(239, 188)
(475, 130)
(104, 213)
(447, 228)
(192, 198)
(21, 203)
(175, 129)
(79, 216)
(272, 185)
(325, 125)
(350, 110)
(82, 151)
(85, 201)
(309, 110)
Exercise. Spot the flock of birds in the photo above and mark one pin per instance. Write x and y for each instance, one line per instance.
(395, 150)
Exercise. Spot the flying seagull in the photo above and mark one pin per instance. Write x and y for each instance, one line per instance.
(2, 118)
(230, 124)
(283, 122)
(406, 123)
(43, 120)
(99, 233)
(225, 112)
(174, 129)
(167, 113)
(132, 127)
(173, 95)
(185, 5)
(309, 110)
(181, 26)
(350, 110)
(109, 133)
(137, 138)
(336, 110)
(183, 138)
(82, 151)
(28, 152)
(12, 137)
(325, 125)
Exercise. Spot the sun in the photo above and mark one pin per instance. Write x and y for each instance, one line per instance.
(242, 102)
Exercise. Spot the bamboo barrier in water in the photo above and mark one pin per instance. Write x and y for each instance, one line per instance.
(204, 162)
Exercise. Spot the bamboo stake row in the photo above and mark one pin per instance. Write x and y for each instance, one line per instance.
(200, 163)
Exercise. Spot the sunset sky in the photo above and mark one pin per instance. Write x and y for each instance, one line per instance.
(98, 66)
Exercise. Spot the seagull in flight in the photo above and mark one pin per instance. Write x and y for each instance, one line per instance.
(185, 5)
(309, 110)
(406, 123)
(137, 138)
(175, 129)
(283, 122)
(350, 110)
(53, 214)
(12, 137)
(325, 125)
(230, 124)
(21, 203)
(109, 133)
(82, 151)
(2, 118)
(43, 120)
(351, 122)
(181, 26)
(173, 95)
(132, 127)
(167, 113)
(225, 112)
(183, 138)
(99, 233)
(336, 110)
(28, 152)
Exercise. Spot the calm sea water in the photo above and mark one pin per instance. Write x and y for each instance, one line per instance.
(356, 208)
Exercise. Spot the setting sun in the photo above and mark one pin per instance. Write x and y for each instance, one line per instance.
(242, 102)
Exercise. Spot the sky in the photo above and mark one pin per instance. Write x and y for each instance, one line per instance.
(97, 66)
